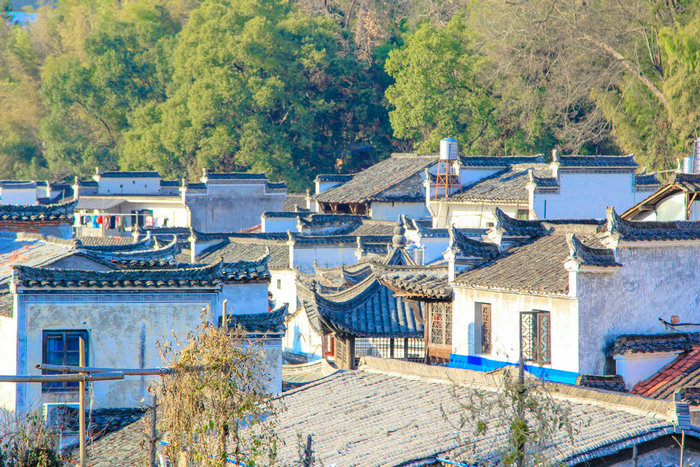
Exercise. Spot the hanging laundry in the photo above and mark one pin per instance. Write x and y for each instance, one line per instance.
(99, 219)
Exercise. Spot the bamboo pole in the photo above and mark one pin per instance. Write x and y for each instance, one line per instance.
(88, 369)
(81, 414)
(70, 378)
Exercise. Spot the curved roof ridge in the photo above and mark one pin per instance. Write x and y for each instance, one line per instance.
(471, 247)
(589, 256)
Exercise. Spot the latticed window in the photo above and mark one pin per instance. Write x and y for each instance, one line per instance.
(441, 323)
(485, 327)
(535, 336)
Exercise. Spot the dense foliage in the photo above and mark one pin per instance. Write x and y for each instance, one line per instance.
(298, 87)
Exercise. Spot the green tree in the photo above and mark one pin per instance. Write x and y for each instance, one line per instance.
(443, 88)
(257, 85)
(89, 95)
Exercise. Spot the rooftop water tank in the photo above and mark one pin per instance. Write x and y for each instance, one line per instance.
(691, 165)
(448, 149)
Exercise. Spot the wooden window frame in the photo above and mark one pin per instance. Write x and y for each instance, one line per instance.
(442, 313)
(485, 328)
(536, 342)
(522, 214)
(329, 339)
(64, 334)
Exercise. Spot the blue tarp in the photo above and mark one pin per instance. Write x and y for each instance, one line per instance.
(476, 363)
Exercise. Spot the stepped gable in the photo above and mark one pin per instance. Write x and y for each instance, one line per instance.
(542, 182)
(626, 161)
(420, 282)
(39, 212)
(245, 271)
(587, 256)
(260, 323)
(518, 227)
(468, 247)
(342, 276)
(627, 344)
(636, 231)
(369, 309)
(369, 184)
(42, 278)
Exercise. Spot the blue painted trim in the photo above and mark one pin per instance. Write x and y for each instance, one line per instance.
(476, 363)
(447, 461)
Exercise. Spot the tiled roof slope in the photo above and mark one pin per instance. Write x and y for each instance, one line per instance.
(243, 271)
(294, 200)
(627, 344)
(39, 212)
(167, 252)
(371, 182)
(248, 250)
(507, 186)
(535, 267)
(605, 382)
(681, 372)
(88, 241)
(471, 248)
(597, 161)
(261, 323)
(369, 309)
(29, 252)
(42, 278)
(495, 161)
(117, 246)
(392, 414)
(394, 419)
(428, 283)
(635, 231)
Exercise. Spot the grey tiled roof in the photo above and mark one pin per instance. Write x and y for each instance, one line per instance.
(607, 382)
(587, 256)
(471, 248)
(425, 282)
(293, 200)
(652, 343)
(689, 182)
(130, 175)
(373, 181)
(235, 176)
(646, 179)
(333, 177)
(248, 250)
(598, 161)
(508, 185)
(88, 241)
(260, 323)
(395, 413)
(376, 418)
(244, 271)
(518, 227)
(651, 230)
(495, 161)
(39, 212)
(29, 252)
(42, 278)
(109, 247)
(167, 252)
(369, 309)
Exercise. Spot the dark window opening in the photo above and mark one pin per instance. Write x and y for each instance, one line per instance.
(535, 336)
(484, 318)
(62, 348)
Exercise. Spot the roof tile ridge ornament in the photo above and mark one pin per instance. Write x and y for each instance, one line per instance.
(583, 255)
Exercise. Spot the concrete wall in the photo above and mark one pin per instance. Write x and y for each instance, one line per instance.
(136, 185)
(471, 215)
(246, 298)
(8, 362)
(123, 330)
(278, 224)
(654, 282)
(505, 323)
(640, 366)
(586, 195)
(327, 256)
(283, 288)
(301, 339)
(231, 207)
(24, 196)
(390, 211)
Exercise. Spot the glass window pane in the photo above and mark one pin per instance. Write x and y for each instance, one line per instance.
(73, 341)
